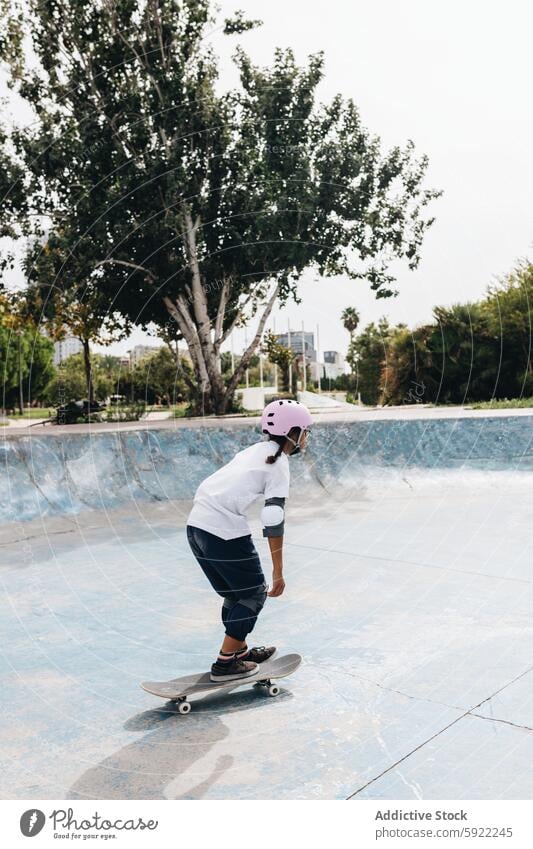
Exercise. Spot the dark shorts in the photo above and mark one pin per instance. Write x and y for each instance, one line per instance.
(231, 566)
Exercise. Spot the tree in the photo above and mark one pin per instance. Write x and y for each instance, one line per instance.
(69, 382)
(226, 361)
(508, 311)
(366, 355)
(471, 352)
(73, 305)
(157, 378)
(350, 319)
(282, 357)
(26, 356)
(404, 376)
(462, 355)
(171, 336)
(203, 206)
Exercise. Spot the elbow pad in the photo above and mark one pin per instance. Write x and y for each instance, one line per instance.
(273, 517)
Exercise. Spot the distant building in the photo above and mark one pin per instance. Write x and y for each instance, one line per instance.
(66, 348)
(332, 367)
(298, 340)
(333, 364)
(139, 352)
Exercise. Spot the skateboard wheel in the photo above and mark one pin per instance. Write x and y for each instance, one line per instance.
(273, 690)
(184, 707)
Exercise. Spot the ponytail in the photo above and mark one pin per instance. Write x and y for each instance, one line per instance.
(273, 457)
(281, 440)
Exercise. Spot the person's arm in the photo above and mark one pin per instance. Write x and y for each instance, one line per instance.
(276, 550)
(273, 517)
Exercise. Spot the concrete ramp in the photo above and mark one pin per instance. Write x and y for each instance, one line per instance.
(45, 474)
(408, 564)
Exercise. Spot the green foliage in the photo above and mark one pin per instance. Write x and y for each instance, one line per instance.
(280, 356)
(69, 382)
(25, 355)
(225, 363)
(167, 201)
(471, 352)
(159, 379)
(180, 410)
(280, 396)
(125, 412)
(504, 404)
(155, 379)
(366, 355)
(350, 319)
(239, 24)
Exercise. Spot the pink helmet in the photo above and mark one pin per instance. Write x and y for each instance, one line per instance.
(280, 416)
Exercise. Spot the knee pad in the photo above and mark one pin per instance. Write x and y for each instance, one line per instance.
(240, 618)
(256, 601)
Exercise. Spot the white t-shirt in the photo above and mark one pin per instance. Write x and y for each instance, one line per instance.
(221, 501)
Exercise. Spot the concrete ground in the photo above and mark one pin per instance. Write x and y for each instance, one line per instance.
(411, 605)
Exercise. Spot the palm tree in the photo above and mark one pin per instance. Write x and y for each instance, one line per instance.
(350, 318)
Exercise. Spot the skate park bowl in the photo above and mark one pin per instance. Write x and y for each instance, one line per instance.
(408, 564)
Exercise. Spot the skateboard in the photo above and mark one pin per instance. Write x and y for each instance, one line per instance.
(178, 689)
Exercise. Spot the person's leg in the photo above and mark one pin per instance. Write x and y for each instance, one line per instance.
(230, 644)
(207, 553)
(246, 576)
(242, 616)
(214, 555)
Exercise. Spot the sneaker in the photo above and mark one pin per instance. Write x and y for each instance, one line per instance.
(259, 654)
(232, 670)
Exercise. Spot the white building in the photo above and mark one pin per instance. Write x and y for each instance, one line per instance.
(66, 348)
(139, 352)
(333, 364)
(332, 367)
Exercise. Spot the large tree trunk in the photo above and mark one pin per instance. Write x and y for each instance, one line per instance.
(88, 370)
(204, 336)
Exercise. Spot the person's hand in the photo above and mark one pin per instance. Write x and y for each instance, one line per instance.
(278, 585)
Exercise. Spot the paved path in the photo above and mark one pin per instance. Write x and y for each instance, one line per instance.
(351, 413)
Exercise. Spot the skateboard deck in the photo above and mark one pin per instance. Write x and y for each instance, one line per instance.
(178, 689)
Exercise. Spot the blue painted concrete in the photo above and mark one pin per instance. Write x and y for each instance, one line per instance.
(66, 474)
(409, 594)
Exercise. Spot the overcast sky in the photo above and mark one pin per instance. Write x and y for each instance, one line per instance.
(455, 77)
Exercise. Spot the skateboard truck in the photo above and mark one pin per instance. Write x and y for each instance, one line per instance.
(273, 689)
(185, 706)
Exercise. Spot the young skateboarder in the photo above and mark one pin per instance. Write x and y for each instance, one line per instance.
(220, 539)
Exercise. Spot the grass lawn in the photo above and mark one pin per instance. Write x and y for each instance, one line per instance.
(33, 413)
(502, 404)
(179, 410)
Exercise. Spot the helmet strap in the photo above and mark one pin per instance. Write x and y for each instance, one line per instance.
(297, 448)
